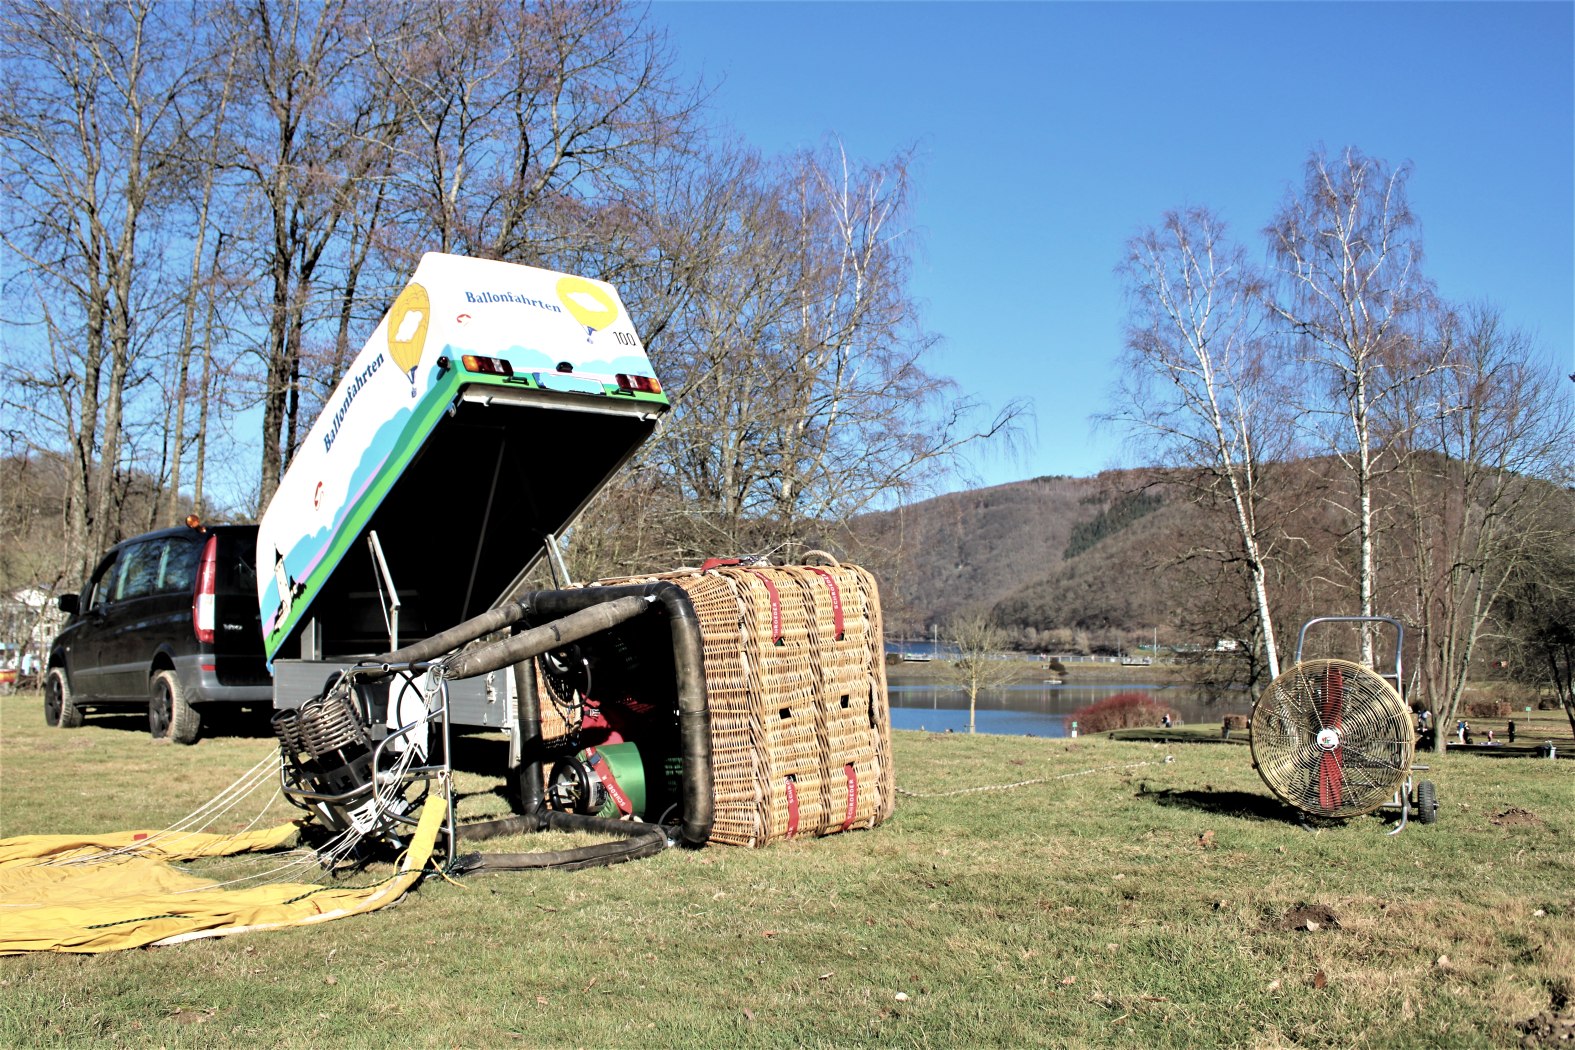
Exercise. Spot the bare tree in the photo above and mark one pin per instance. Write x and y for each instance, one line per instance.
(1347, 251)
(1491, 435)
(796, 361)
(90, 122)
(1202, 388)
(318, 125)
(978, 664)
(1538, 608)
(532, 126)
(203, 140)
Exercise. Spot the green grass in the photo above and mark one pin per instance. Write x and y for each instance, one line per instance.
(1132, 901)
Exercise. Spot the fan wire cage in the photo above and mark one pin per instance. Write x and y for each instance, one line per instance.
(1332, 738)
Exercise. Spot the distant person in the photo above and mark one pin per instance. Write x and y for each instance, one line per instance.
(1510, 729)
(1166, 720)
(1460, 731)
(1466, 734)
(1490, 739)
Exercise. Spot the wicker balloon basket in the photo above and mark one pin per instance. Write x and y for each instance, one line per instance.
(796, 684)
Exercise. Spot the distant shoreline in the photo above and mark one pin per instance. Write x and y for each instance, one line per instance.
(1030, 670)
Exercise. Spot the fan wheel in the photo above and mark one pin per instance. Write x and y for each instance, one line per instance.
(1426, 802)
(1332, 738)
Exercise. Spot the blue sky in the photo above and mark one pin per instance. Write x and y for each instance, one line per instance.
(1047, 134)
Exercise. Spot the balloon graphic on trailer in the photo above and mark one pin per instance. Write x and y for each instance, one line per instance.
(407, 330)
(590, 304)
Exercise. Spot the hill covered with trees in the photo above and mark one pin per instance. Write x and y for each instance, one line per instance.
(1102, 564)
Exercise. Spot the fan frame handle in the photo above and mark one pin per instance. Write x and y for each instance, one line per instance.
(1396, 676)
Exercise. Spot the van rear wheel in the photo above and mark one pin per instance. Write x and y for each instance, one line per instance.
(170, 717)
(60, 710)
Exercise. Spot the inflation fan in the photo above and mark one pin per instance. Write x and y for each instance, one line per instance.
(1335, 739)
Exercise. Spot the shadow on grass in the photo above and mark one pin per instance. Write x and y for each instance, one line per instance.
(1244, 804)
(216, 722)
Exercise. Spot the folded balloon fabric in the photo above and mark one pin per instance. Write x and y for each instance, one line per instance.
(100, 893)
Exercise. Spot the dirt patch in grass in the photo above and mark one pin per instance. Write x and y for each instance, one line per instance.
(1309, 918)
(1515, 817)
(1554, 1026)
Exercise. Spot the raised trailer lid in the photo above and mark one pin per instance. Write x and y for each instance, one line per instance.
(490, 405)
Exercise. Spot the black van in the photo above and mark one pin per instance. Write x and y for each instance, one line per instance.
(168, 620)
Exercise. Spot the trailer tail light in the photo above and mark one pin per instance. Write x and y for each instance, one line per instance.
(638, 384)
(488, 366)
(202, 598)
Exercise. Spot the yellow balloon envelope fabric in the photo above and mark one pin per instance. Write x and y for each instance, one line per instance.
(136, 900)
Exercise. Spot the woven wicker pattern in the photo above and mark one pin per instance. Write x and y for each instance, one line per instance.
(851, 689)
(554, 727)
(800, 724)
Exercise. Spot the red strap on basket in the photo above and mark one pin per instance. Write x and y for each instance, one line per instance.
(604, 773)
(776, 606)
(853, 794)
(792, 804)
(712, 563)
(836, 599)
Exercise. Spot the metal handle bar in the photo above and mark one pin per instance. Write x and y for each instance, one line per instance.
(1391, 621)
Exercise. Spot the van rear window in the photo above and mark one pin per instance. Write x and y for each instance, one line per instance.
(237, 553)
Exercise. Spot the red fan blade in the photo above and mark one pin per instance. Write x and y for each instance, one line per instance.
(1329, 779)
(1333, 696)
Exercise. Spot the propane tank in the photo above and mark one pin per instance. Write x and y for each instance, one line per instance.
(606, 781)
(617, 780)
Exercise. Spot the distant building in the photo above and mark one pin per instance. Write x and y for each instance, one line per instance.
(29, 621)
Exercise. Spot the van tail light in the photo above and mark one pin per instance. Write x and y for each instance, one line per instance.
(638, 384)
(490, 366)
(202, 598)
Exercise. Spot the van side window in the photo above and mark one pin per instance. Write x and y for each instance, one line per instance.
(101, 590)
(139, 574)
(178, 571)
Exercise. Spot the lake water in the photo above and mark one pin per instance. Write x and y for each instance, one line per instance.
(1034, 710)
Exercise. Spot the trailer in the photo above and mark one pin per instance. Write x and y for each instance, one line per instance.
(737, 701)
(490, 405)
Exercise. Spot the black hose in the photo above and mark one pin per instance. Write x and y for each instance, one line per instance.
(532, 643)
(694, 712)
(636, 840)
(577, 614)
(494, 619)
(525, 777)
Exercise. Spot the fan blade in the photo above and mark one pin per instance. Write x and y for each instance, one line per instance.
(1330, 778)
(1333, 695)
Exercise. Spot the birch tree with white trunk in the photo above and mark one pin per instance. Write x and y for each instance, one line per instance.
(1346, 251)
(1203, 389)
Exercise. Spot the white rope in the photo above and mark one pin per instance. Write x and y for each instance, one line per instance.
(1023, 783)
(388, 794)
(202, 817)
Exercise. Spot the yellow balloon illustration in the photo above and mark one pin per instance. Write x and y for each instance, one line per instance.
(407, 330)
(591, 304)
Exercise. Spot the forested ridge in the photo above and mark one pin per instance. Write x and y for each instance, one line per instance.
(1146, 562)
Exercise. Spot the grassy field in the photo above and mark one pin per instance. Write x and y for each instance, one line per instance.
(1137, 895)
